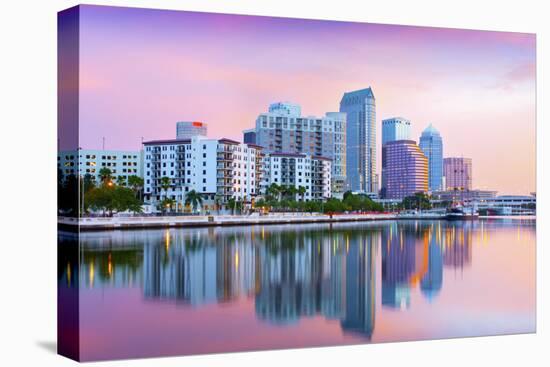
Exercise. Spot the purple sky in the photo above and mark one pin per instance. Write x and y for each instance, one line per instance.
(142, 70)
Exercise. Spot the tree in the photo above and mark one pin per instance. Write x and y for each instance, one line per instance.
(112, 198)
(261, 203)
(289, 192)
(101, 199)
(124, 199)
(165, 185)
(312, 206)
(194, 199)
(88, 182)
(417, 201)
(302, 191)
(347, 194)
(218, 202)
(334, 206)
(274, 191)
(105, 175)
(121, 181)
(166, 204)
(136, 184)
(235, 204)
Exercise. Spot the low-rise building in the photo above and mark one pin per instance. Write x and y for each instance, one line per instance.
(88, 161)
(464, 195)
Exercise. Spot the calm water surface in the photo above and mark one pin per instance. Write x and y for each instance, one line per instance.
(187, 291)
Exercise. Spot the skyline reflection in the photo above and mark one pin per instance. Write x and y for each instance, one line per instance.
(289, 274)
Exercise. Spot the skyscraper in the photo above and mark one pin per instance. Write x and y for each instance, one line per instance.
(395, 128)
(432, 146)
(284, 130)
(458, 173)
(360, 107)
(404, 168)
(188, 129)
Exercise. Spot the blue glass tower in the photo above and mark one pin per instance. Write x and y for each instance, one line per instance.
(360, 107)
(432, 146)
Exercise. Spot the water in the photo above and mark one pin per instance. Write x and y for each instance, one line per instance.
(188, 291)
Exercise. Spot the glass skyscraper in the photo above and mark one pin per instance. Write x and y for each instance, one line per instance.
(360, 107)
(432, 146)
(405, 169)
(395, 128)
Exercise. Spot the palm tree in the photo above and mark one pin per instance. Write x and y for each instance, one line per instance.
(136, 183)
(302, 191)
(194, 199)
(121, 181)
(166, 204)
(291, 192)
(105, 175)
(217, 202)
(165, 184)
(274, 190)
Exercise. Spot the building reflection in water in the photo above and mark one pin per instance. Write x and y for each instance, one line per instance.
(415, 253)
(328, 273)
(318, 270)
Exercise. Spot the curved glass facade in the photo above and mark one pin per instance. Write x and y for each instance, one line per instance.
(405, 169)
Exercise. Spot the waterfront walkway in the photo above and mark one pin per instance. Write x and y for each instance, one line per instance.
(106, 223)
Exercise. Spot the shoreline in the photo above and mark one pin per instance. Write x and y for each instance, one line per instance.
(132, 223)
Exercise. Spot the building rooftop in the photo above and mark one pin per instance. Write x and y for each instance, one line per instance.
(366, 92)
(430, 130)
(404, 141)
(167, 141)
(188, 141)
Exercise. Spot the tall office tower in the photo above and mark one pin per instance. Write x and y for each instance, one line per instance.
(432, 146)
(188, 129)
(360, 108)
(395, 128)
(405, 169)
(458, 173)
(284, 130)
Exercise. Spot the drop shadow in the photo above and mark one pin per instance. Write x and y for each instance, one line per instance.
(48, 345)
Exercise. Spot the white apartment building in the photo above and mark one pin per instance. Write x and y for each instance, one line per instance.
(217, 169)
(295, 170)
(86, 161)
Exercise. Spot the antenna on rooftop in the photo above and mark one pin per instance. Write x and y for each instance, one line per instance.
(103, 142)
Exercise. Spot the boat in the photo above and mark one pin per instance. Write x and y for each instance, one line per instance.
(461, 213)
(415, 214)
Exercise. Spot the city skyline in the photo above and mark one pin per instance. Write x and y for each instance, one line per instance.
(467, 77)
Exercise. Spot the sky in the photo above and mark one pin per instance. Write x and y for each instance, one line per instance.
(143, 70)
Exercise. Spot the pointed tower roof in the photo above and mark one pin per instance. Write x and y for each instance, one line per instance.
(363, 93)
(430, 130)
